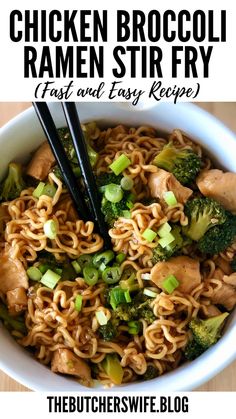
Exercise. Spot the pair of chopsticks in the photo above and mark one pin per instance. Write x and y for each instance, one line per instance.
(94, 212)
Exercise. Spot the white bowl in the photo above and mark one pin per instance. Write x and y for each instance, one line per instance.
(23, 134)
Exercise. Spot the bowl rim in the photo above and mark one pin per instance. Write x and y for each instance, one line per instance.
(208, 363)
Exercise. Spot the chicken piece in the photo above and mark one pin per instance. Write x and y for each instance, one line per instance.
(230, 279)
(65, 361)
(224, 265)
(209, 311)
(185, 269)
(218, 274)
(12, 273)
(225, 296)
(41, 163)
(220, 186)
(16, 301)
(162, 181)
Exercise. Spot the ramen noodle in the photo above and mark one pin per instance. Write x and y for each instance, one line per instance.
(126, 314)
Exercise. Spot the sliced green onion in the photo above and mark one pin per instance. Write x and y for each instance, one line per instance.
(126, 214)
(102, 188)
(44, 267)
(101, 318)
(118, 296)
(164, 230)
(90, 275)
(39, 190)
(111, 275)
(113, 193)
(84, 260)
(50, 229)
(134, 327)
(102, 267)
(120, 258)
(34, 273)
(76, 266)
(49, 190)
(165, 241)
(58, 271)
(150, 293)
(78, 302)
(149, 235)
(50, 279)
(146, 277)
(120, 164)
(93, 155)
(129, 204)
(113, 369)
(170, 284)
(127, 296)
(127, 183)
(169, 198)
(104, 257)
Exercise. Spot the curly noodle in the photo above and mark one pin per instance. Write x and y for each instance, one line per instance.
(51, 319)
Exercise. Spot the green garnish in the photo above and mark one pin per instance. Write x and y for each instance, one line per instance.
(111, 275)
(50, 279)
(78, 302)
(103, 258)
(127, 183)
(50, 229)
(120, 258)
(76, 266)
(90, 275)
(170, 284)
(113, 193)
(34, 273)
(84, 260)
(39, 190)
(170, 199)
(149, 235)
(120, 164)
(134, 327)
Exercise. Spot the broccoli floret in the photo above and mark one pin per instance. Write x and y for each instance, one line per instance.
(218, 238)
(138, 309)
(13, 184)
(47, 261)
(146, 313)
(233, 264)
(67, 142)
(151, 372)
(207, 332)
(183, 163)
(58, 174)
(13, 323)
(128, 280)
(193, 350)
(106, 178)
(164, 253)
(108, 331)
(203, 214)
(112, 210)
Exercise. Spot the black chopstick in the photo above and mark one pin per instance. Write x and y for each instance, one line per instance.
(52, 136)
(77, 135)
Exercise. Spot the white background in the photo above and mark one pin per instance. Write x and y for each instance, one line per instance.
(220, 86)
(35, 405)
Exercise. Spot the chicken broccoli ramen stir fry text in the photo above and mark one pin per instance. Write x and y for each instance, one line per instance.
(159, 296)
